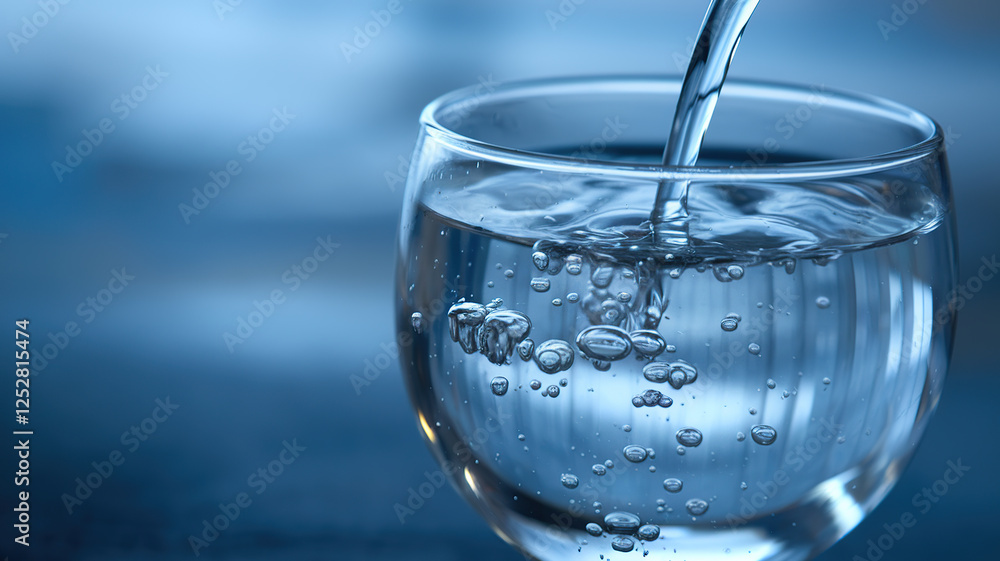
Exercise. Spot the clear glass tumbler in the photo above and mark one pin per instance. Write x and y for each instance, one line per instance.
(749, 393)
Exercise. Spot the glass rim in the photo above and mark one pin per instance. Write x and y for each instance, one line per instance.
(798, 171)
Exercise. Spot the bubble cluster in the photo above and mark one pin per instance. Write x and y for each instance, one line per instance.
(652, 398)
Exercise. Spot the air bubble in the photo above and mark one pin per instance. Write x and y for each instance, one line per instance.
(594, 529)
(764, 435)
(627, 428)
(656, 372)
(647, 343)
(574, 264)
(675, 273)
(696, 507)
(599, 469)
(501, 332)
(624, 523)
(525, 348)
(601, 276)
(752, 411)
(557, 302)
(754, 348)
(771, 384)
(740, 437)
(681, 450)
(624, 297)
(540, 259)
(648, 533)
(535, 385)
(822, 302)
(554, 356)
(553, 391)
(689, 437)
(499, 385)
(463, 321)
(827, 381)
(673, 485)
(609, 464)
(729, 324)
(564, 382)
(603, 342)
(622, 544)
(417, 320)
(570, 481)
(509, 273)
(735, 272)
(572, 298)
(671, 349)
(540, 284)
(602, 366)
(635, 454)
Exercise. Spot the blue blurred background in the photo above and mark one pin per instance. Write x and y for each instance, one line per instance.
(168, 94)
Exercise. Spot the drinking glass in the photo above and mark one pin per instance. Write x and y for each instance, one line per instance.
(750, 391)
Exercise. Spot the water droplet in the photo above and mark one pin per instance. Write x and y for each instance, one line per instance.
(730, 324)
(647, 343)
(827, 381)
(599, 469)
(823, 302)
(417, 320)
(557, 302)
(535, 385)
(689, 437)
(696, 507)
(649, 532)
(540, 259)
(499, 385)
(601, 276)
(463, 321)
(624, 297)
(635, 454)
(623, 544)
(624, 523)
(771, 384)
(570, 481)
(740, 437)
(501, 332)
(735, 272)
(554, 356)
(509, 273)
(525, 348)
(763, 434)
(754, 348)
(604, 342)
(540, 284)
(572, 298)
(673, 485)
(594, 529)
(574, 264)
(553, 391)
